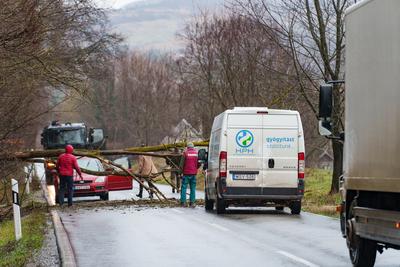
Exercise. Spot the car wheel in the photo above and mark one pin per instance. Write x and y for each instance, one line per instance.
(209, 203)
(280, 208)
(295, 207)
(104, 196)
(362, 251)
(220, 205)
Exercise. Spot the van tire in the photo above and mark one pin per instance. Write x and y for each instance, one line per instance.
(209, 203)
(295, 207)
(220, 205)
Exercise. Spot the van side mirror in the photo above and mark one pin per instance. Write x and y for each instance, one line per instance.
(325, 109)
(202, 155)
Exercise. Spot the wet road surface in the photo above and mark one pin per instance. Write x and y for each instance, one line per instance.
(145, 236)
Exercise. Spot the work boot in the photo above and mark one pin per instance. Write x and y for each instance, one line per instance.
(173, 190)
(192, 205)
(183, 204)
(139, 195)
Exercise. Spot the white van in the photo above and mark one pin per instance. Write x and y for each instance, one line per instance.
(256, 158)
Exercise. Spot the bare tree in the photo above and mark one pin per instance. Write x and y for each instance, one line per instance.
(135, 100)
(312, 33)
(48, 49)
(229, 61)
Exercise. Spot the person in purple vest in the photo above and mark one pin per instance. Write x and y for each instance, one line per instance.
(189, 165)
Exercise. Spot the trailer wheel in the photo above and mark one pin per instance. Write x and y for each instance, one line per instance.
(295, 207)
(209, 203)
(220, 205)
(362, 251)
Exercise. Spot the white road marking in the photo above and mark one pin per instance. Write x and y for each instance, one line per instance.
(219, 227)
(298, 259)
(177, 211)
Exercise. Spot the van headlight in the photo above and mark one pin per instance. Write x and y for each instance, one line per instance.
(100, 179)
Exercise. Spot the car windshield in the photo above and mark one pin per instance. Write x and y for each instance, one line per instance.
(124, 162)
(67, 136)
(90, 164)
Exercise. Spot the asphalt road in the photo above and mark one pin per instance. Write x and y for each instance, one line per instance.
(146, 236)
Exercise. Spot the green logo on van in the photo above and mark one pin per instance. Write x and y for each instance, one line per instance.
(244, 138)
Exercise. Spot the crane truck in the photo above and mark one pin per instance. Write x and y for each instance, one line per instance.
(57, 135)
(370, 184)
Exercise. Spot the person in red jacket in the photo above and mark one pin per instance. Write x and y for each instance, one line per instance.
(66, 164)
(189, 164)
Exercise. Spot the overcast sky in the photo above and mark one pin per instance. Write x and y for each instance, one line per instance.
(154, 24)
(114, 3)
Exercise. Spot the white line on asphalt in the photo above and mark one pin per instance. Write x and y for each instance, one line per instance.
(298, 259)
(219, 227)
(177, 211)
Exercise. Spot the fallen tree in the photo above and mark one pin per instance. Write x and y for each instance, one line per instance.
(148, 151)
(161, 151)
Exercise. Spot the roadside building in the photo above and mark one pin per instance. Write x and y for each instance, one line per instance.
(183, 132)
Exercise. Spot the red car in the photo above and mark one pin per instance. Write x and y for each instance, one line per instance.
(92, 185)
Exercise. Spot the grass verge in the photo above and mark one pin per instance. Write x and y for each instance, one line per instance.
(13, 253)
(316, 196)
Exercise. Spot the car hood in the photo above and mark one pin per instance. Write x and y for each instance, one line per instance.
(86, 177)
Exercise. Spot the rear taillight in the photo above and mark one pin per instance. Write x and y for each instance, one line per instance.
(301, 165)
(50, 165)
(222, 163)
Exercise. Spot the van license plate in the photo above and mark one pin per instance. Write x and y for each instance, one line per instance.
(82, 187)
(244, 176)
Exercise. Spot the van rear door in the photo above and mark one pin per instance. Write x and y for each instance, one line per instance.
(280, 152)
(245, 155)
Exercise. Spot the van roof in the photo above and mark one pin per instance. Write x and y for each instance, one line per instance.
(241, 110)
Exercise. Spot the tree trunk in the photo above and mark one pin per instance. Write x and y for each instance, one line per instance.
(337, 147)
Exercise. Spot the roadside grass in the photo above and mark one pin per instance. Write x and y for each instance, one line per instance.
(13, 253)
(316, 196)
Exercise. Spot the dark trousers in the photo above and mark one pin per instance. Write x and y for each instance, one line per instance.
(141, 189)
(176, 180)
(66, 182)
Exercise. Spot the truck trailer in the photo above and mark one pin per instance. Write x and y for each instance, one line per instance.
(370, 185)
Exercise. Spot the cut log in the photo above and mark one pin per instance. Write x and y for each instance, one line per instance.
(165, 147)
